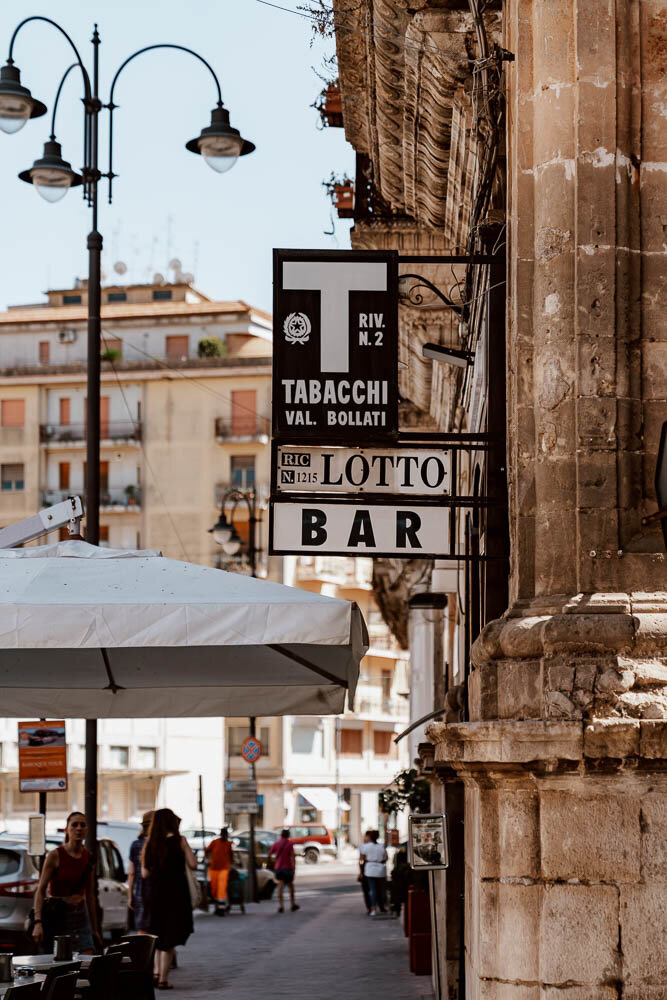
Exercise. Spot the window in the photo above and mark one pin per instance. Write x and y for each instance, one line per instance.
(104, 417)
(104, 535)
(12, 412)
(64, 411)
(350, 742)
(243, 471)
(44, 352)
(177, 347)
(63, 475)
(244, 412)
(12, 478)
(237, 734)
(307, 740)
(117, 297)
(386, 686)
(114, 344)
(146, 757)
(382, 742)
(119, 756)
(71, 300)
(144, 796)
(161, 294)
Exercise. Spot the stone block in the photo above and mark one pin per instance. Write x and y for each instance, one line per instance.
(595, 633)
(596, 361)
(518, 916)
(579, 934)
(559, 677)
(595, 839)
(487, 929)
(597, 422)
(518, 833)
(596, 480)
(653, 739)
(519, 689)
(654, 837)
(483, 693)
(643, 933)
(612, 738)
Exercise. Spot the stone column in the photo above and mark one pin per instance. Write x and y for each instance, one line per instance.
(564, 757)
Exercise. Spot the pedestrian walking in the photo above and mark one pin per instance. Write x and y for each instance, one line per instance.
(373, 856)
(285, 864)
(361, 878)
(138, 914)
(219, 853)
(70, 906)
(166, 890)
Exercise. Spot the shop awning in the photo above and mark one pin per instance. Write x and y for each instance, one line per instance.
(87, 632)
(322, 799)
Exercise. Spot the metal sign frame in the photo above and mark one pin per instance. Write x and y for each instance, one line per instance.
(435, 821)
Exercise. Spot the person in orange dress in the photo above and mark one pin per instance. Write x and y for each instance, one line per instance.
(219, 854)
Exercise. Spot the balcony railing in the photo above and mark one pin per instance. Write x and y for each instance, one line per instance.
(246, 428)
(115, 430)
(126, 497)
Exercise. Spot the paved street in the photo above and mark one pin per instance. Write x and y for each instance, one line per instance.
(327, 950)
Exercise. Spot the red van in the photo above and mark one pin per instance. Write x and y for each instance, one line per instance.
(310, 841)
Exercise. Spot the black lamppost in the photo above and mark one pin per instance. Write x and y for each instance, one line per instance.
(52, 176)
(226, 535)
(224, 532)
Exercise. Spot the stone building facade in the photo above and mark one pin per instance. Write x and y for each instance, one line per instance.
(538, 129)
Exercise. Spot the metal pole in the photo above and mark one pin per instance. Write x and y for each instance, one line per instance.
(252, 873)
(93, 420)
(339, 844)
(252, 542)
(435, 953)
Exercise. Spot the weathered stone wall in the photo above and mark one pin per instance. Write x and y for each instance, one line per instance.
(565, 858)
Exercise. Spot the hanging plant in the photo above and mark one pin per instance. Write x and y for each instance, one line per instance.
(407, 791)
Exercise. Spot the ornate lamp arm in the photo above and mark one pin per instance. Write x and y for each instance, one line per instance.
(111, 106)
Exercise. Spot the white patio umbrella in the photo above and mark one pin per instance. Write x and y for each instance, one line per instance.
(87, 632)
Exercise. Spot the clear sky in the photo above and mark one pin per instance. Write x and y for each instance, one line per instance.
(167, 202)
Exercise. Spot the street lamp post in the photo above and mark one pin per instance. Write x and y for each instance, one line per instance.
(219, 144)
(226, 535)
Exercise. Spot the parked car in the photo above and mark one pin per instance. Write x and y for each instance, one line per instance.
(311, 841)
(264, 839)
(19, 876)
(199, 839)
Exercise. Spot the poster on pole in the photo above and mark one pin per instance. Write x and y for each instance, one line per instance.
(42, 756)
(335, 346)
(428, 843)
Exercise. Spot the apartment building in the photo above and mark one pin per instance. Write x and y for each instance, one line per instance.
(178, 428)
(330, 770)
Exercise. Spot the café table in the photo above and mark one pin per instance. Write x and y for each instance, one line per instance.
(21, 981)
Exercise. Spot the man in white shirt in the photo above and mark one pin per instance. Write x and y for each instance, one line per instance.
(373, 866)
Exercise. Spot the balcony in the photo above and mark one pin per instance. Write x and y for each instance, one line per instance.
(355, 573)
(67, 435)
(246, 428)
(117, 500)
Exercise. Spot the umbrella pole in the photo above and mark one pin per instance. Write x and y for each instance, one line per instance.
(252, 864)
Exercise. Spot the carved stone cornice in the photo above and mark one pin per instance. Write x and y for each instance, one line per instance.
(583, 657)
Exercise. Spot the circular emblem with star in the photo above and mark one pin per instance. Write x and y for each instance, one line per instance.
(297, 328)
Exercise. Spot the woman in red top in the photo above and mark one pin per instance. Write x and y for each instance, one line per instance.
(284, 868)
(70, 906)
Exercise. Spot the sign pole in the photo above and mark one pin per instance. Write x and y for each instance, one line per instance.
(435, 954)
(252, 874)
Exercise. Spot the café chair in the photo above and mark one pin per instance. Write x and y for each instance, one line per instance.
(63, 987)
(54, 972)
(101, 978)
(27, 991)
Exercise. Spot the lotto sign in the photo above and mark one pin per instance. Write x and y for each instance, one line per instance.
(335, 346)
(42, 757)
(405, 471)
(251, 749)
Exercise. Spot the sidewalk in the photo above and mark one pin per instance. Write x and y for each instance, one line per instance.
(327, 950)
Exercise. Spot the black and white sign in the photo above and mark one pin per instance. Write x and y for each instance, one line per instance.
(411, 471)
(408, 530)
(335, 346)
(428, 843)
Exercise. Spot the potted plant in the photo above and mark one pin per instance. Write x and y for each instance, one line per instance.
(341, 192)
(132, 494)
(211, 347)
(111, 354)
(330, 105)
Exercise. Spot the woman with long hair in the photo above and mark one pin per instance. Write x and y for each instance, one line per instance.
(166, 892)
(70, 906)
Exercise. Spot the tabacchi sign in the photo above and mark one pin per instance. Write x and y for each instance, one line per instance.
(335, 346)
